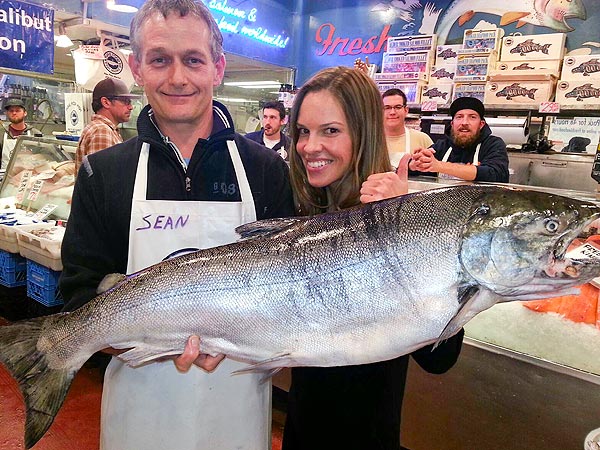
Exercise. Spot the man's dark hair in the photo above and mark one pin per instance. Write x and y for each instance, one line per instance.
(276, 105)
(395, 91)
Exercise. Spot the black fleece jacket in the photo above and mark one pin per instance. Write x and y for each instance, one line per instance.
(493, 157)
(97, 235)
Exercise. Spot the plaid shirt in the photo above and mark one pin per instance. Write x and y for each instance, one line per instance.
(97, 135)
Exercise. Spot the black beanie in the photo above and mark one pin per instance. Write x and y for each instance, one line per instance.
(467, 103)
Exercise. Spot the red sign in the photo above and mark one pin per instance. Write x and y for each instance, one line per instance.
(325, 36)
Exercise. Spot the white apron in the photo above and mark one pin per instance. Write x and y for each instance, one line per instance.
(8, 146)
(395, 157)
(445, 176)
(155, 407)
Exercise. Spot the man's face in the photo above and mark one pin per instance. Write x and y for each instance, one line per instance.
(120, 108)
(176, 68)
(272, 122)
(16, 114)
(466, 126)
(394, 113)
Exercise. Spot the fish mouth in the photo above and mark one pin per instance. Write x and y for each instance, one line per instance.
(580, 14)
(578, 251)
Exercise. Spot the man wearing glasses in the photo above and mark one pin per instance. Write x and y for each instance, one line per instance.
(400, 139)
(111, 102)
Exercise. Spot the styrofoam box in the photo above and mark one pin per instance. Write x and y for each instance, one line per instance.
(476, 90)
(42, 250)
(400, 76)
(471, 67)
(414, 43)
(412, 90)
(502, 91)
(407, 62)
(441, 93)
(569, 92)
(483, 40)
(446, 54)
(533, 46)
(442, 74)
(530, 67)
(581, 67)
(8, 236)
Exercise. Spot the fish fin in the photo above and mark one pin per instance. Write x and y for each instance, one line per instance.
(139, 354)
(109, 282)
(512, 16)
(465, 17)
(271, 365)
(44, 389)
(265, 227)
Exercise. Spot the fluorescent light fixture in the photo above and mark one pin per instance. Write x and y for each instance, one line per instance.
(62, 40)
(124, 6)
(254, 84)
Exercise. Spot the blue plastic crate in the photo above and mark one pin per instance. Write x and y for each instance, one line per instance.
(42, 284)
(13, 269)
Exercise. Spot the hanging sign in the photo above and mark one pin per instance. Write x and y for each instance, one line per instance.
(26, 37)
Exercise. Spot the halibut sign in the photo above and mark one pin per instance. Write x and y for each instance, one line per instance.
(26, 37)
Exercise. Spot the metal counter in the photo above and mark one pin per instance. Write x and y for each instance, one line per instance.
(554, 170)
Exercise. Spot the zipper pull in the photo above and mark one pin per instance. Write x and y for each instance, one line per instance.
(188, 184)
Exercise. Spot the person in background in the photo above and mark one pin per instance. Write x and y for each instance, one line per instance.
(186, 162)
(339, 159)
(271, 135)
(470, 152)
(111, 103)
(399, 138)
(15, 113)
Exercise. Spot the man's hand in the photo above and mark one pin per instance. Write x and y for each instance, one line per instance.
(384, 185)
(191, 355)
(424, 160)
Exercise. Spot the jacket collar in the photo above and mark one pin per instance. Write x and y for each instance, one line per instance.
(222, 124)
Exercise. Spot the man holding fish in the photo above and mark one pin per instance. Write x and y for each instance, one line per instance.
(187, 168)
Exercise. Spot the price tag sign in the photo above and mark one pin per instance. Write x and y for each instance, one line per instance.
(23, 185)
(429, 105)
(45, 211)
(35, 190)
(549, 107)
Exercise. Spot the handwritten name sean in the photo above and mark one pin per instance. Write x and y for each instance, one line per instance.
(161, 222)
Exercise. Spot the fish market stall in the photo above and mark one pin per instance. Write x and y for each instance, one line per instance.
(528, 376)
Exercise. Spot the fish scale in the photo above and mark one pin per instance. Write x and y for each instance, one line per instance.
(350, 287)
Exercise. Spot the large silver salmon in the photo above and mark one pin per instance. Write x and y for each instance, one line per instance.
(350, 287)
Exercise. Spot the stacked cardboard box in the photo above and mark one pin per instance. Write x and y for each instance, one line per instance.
(527, 70)
(406, 65)
(579, 81)
(475, 61)
(441, 77)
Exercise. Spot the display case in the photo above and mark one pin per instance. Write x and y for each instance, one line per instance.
(40, 176)
(529, 372)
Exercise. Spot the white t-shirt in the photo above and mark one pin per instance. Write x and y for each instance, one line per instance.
(269, 142)
(397, 144)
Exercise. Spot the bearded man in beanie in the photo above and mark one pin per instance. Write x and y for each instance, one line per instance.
(470, 152)
(15, 113)
(111, 102)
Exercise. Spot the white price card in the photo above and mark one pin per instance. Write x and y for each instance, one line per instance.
(429, 105)
(45, 211)
(549, 107)
(35, 190)
(25, 177)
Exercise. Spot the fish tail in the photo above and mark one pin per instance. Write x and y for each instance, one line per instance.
(44, 389)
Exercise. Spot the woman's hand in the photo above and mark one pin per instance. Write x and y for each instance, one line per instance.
(384, 185)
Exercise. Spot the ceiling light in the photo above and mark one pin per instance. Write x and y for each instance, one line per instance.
(254, 84)
(124, 6)
(62, 40)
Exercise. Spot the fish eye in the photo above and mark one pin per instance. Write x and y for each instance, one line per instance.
(552, 225)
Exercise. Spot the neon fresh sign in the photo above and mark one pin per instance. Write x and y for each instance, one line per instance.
(229, 25)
